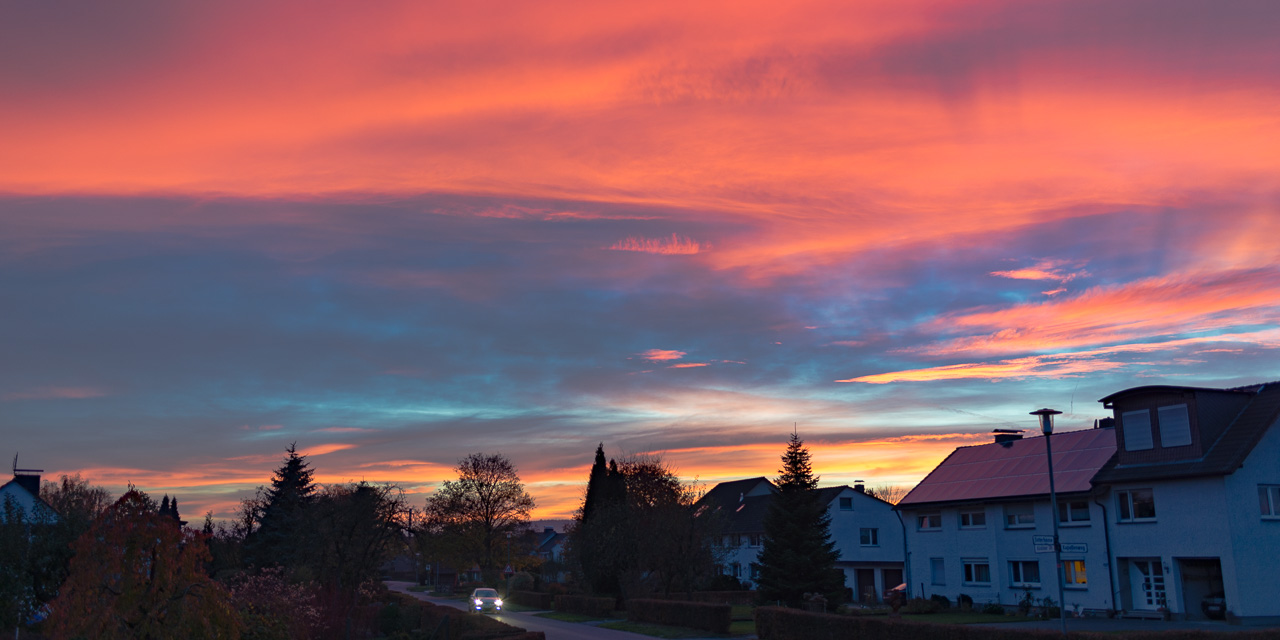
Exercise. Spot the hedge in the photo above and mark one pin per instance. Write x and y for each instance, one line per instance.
(532, 599)
(726, 597)
(778, 623)
(698, 615)
(585, 605)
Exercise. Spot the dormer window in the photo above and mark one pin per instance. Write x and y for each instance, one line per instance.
(1175, 426)
(1137, 430)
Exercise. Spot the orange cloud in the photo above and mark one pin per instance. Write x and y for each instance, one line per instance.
(322, 449)
(661, 355)
(1067, 364)
(1181, 303)
(1044, 270)
(675, 246)
(687, 365)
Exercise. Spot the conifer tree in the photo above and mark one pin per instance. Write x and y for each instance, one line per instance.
(798, 556)
(283, 513)
(597, 540)
(164, 506)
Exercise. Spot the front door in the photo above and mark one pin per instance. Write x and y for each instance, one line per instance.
(867, 585)
(1146, 579)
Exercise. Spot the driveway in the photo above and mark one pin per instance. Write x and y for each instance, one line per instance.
(555, 629)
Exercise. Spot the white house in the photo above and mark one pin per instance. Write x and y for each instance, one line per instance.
(865, 529)
(23, 492)
(973, 522)
(1174, 509)
(1194, 493)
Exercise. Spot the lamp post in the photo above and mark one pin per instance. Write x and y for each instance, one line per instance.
(1046, 427)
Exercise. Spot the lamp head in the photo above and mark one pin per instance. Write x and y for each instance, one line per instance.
(1046, 419)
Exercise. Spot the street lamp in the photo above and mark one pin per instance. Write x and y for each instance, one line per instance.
(1046, 427)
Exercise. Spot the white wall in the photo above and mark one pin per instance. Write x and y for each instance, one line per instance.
(1000, 545)
(1255, 552)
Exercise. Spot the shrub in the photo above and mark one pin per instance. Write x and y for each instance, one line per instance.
(920, 605)
(698, 615)
(520, 581)
(585, 605)
(993, 608)
(532, 599)
(943, 601)
(964, 601)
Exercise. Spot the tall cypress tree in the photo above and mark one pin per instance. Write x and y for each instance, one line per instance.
(598, 539)
(798, 555)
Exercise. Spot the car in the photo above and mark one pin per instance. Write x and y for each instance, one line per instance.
(1214, 606)
(483, 600)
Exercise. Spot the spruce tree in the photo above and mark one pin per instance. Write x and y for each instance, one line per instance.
(281, 538)
(798, 555)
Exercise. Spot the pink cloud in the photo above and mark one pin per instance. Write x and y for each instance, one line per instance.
(687, 365)
(675, 246)
(1043, 270)
(661, 355)
(52, 393)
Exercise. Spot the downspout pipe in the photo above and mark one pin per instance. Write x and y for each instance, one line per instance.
(1111, 563)
(906, 554)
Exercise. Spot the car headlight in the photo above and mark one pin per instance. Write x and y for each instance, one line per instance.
(498, 602)
(479, 601)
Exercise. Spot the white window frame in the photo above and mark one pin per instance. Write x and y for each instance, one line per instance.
(1069, 574)
(1269, 501)
(970, 574)
(1124, 502)
(1021, 515)
(968, 514)
(869, 537)
(1072, 520)
(1018, 574)
(753, 540)
(933, 517)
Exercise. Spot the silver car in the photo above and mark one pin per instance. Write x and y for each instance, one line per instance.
(486, 600)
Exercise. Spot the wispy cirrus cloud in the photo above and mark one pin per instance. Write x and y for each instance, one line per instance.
(1172, 304)
(688, 365)
(1077, 362)
(1044, 270)
(675, 245)
(54, 393)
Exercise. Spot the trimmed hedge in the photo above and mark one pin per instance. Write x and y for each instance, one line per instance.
(778, 623)
(585, 605)
(698, 615)
(726, 597)
(532, 599)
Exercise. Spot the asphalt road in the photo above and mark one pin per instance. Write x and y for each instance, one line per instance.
(555, 629)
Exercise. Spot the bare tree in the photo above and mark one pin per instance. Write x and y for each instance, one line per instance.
(890, 493)
(484, 507)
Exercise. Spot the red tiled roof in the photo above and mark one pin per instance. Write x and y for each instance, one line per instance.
(994, 470)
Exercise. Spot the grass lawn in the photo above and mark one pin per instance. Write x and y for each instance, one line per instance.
(569, 617)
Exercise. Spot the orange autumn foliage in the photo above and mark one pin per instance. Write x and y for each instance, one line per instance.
(137, 574)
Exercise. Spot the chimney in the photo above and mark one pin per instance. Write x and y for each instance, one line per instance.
(859, 487)
(1006, 437)
(1105, 423)
(28, 481)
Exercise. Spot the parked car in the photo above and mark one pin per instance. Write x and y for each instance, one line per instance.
(1214, 606)
(483, 600)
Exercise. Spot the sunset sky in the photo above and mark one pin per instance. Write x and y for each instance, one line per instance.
(401, 232)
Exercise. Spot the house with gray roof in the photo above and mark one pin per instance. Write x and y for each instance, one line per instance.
(865, 529)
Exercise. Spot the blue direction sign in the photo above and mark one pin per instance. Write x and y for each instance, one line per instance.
(1039, 540)
(1075, 547)
(1044, 548)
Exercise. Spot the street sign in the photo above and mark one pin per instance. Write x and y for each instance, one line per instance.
(1044, 548)
(1075, 547)
(1039, 540)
